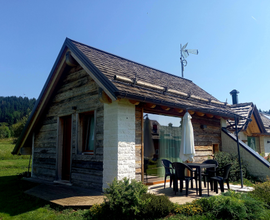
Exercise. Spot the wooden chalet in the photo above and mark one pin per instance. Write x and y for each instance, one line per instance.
(253, 132)
(87, 125)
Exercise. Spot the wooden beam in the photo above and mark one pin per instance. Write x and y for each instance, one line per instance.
(150, 105)
(217, 117)
(209, 115)
(179, 110)
(104, 98)
(200, 114)
(134, 102)
(191, 112)
(203, 147)
(165, 108)
(142, 149)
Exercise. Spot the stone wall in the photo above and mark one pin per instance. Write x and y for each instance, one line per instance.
(119, 141)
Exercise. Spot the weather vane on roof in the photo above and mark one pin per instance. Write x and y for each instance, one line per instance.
(184, 54)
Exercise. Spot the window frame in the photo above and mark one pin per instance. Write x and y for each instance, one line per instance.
(81, 133)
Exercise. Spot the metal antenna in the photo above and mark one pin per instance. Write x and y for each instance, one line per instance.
(184, 54)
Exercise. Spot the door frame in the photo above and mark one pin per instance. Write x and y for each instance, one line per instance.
(59, 147)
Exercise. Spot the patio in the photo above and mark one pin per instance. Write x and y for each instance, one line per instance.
(181, 198)
(70, 196)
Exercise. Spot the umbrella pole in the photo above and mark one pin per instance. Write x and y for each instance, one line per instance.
(236, 132)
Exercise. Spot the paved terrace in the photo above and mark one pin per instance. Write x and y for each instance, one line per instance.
(71, 196)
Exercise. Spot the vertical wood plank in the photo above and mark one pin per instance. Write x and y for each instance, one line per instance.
(33, 152)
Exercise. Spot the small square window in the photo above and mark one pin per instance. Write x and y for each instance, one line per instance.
(86, 133)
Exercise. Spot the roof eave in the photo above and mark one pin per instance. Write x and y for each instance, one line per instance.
(172, 105)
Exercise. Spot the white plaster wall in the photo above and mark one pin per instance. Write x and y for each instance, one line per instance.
(242, 136)
(254, 166)
(223, 123)
(119, 141)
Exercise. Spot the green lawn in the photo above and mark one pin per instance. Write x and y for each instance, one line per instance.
(14, 204)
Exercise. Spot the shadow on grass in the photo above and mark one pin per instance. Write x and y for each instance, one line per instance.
(13, 200)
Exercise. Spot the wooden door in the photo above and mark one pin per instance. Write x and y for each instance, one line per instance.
(66, 149)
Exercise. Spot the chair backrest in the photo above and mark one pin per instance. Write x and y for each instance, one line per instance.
(211, 162)
(167, 164)
(226, 171)
(180, 170)
(146, 161)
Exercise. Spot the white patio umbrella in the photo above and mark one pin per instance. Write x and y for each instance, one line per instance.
(187, 150)
(149, 149)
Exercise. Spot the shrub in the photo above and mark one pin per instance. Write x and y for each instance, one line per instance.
(99, 211)
(189, 209)
(4, 131)
(231, 205)
(124, 197)
(157, 207)
(262, 191)
(224, 158)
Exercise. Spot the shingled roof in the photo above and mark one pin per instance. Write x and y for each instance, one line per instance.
(266, 121)
(122, 78)
(190, 95)
(246, 110)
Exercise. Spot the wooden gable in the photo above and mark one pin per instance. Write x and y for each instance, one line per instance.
(253, 127)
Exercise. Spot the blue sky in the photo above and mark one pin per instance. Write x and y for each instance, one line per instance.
(233, 39)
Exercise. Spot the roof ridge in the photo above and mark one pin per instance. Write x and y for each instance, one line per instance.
(130, 60)
(242, 104)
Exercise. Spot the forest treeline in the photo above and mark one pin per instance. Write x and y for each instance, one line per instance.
(14, 112)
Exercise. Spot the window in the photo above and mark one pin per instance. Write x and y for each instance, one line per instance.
(215, 148)
(86, 133)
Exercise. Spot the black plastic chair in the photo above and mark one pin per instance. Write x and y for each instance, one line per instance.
(180, 174)
(208, 173)
(168, 171)
(222, 176)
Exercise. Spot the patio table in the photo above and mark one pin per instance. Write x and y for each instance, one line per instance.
(199, 167)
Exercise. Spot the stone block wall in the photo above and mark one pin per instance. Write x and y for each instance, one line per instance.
(119, 141)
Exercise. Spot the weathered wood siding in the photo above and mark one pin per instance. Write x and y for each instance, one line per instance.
(138, 143)
(205, 138)
(76, 89)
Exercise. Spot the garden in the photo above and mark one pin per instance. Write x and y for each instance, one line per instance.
(128, 199)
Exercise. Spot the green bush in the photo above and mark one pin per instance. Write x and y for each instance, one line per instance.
(224, 158)
(189, 209)
(124, 198)
(157, 206)
(232, 205)
(4, 131)
(262, 191)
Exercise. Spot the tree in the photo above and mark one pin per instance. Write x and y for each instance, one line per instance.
(4, 132)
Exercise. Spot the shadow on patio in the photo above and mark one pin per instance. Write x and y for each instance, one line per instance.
(180, 198)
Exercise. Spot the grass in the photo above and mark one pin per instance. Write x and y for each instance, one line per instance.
(14, 203)
(6, 147)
